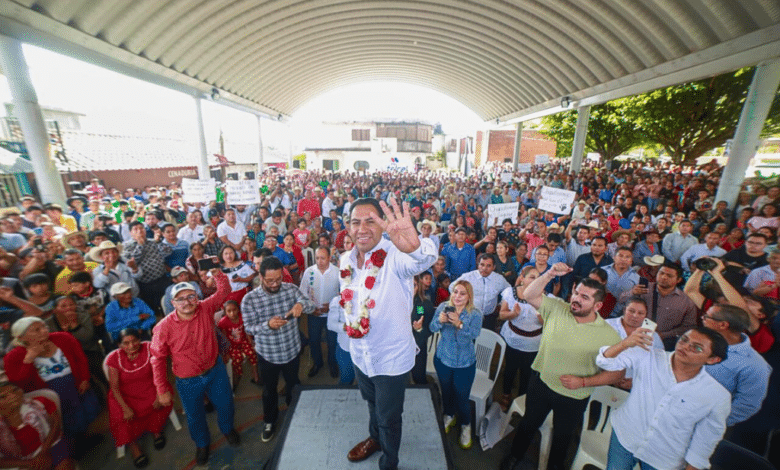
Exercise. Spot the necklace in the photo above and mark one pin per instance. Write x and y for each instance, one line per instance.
(128, 370)
(360, 327)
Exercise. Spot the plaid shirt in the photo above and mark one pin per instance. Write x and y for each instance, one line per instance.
(258, 307)
(150, 258)
(213, 249)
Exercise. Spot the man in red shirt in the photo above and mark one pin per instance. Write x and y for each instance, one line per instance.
(311, 205)
(188, 336)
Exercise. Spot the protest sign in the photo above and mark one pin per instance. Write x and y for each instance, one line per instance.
(506, 177)
(558, 201)
(524, 167)
(542, 159)
(198, 190)
(242, 192)
(502, 211)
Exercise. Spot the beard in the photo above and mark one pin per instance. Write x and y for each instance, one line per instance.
(272, 290)
(579, 312)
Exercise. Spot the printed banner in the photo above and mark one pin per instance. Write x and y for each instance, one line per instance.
(501, 212)
(542, 159)
(506, 177)
(558, 201)
(198, 190)
(524, 167)
(243, 192)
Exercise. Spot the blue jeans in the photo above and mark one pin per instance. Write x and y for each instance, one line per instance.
(214, 383)
(385, 397)
(455, 389)
(619, 458)
(315, 327)
(346, 367)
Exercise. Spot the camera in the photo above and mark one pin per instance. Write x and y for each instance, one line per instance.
(705, 264)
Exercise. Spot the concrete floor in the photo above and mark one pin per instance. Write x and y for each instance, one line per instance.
(179, 453)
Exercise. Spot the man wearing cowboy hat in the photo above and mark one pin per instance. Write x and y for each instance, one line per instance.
(76, 240)
(74, 262)
(113, 269)
(647, 247)
(427, 229)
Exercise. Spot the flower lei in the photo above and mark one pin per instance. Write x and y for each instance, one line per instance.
(361, 326)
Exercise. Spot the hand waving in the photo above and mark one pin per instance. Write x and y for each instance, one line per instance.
(399, 226)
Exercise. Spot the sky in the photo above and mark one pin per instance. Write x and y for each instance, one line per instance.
(116, 104)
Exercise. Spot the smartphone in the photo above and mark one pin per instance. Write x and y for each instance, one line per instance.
(449, 309)
(206, 264)
(649, 325)
(643, 282)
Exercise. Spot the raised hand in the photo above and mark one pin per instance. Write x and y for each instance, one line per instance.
(398, 225)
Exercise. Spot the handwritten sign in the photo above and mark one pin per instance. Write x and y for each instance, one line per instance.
(198, 190)
(542, 159)
(524, 167)
(506, 177)
(558, 201)
(242, 192)
(502, 211)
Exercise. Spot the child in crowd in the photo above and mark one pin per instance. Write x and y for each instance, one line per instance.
(443, 289)
(38, 287)
(127, 312)
(241, 347)
(302, 234)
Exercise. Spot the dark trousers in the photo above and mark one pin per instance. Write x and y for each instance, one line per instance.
(152, 292)
(269, 373)
(489, 321)
(385, 397)
(456, 385)
(518, 361)
(420, 363)
(315, 327)
(567, 418)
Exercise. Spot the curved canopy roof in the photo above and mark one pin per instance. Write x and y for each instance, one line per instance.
(503, 59)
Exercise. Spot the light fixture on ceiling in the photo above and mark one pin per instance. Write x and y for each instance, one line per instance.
(498, 121)
(279, 117)
(214, 94)
(565, 102)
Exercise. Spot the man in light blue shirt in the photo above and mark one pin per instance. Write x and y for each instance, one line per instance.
(744, 373)
(675, 244)
(620, 277)
(557, 254)
(459, 256)
(708, 248)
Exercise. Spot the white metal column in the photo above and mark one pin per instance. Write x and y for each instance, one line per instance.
(27, 109)
(518, 143)
(203, 161)
(580, 133)
(261, 165)
(754, 112)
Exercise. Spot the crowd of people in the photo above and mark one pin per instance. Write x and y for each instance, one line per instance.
(648, 284)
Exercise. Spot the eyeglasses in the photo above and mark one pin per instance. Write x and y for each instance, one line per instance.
(189, 298)
(687, 342)
(710, 317)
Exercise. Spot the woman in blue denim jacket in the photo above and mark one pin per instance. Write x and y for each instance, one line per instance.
(460, 323)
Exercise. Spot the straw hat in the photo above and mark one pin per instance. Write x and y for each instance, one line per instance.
(69, 236)
(427, 222)
(618, 233)
(655, 260)
(96, 253)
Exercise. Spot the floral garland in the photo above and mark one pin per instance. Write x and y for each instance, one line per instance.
(361, 326)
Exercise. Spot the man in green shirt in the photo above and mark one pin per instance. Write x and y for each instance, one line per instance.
(571, 338)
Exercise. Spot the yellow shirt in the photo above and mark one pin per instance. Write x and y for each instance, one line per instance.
(568, 347)
(61, 286)
(68, 222)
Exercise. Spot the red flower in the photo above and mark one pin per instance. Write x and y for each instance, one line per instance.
(346, 295)
(342, 303)
(370, 280)
(364, 323)
(345, 273)
(350, 331)
(370, 303)
(378, 258)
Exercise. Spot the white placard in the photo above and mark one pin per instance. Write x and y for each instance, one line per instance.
(506, 177)
(542, 159)
(242, 192)
(502, 211)
(198, 190)
(524, 167)
(558, 201)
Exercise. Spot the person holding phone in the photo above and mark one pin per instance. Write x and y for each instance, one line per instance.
(239, 272)
(460, 323)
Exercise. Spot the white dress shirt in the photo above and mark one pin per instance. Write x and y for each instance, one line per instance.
(486, 289)
(665, 423)
(336, 322)
(234, 234)
(388, 348)
(320, 287)
(327, 206)
(191, 235)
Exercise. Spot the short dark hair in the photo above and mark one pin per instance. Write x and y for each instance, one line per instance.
(80, 276)
(677, 268)
(737, 318)
(270, 263)
(135, 223)
(461, 229)
(636, 299)
(760, 235)
(624, 248)
(366, 201)
(555, 238)
(35, 279)
(487, 256)
(600, 293)
(718, 343)
(262, 252)
(506, 220)
(598, 237)
(600, 273)
(426, 273)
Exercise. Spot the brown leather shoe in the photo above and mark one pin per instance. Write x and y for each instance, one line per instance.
(363, 450)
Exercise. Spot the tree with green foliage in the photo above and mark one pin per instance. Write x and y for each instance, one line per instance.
(610, 131)
(691, 119)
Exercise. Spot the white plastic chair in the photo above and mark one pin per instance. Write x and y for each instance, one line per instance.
(518, 406)
(482, 388)
(308, 257)
(120, 451)
(594, 441)
(430, 370)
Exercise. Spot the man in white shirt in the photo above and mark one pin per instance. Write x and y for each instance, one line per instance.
(376, 293)
(231, 231)
(328, 204)
(244, 213)
(192, 232)
(276, 221)
(676, 412)
(487, 286)
(320, 284)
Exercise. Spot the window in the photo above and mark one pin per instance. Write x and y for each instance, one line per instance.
(361, 134)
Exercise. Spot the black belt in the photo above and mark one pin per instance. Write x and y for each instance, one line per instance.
(527, 334)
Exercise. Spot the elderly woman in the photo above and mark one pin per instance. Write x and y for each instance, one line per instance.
(460, 323)
(133, 408)
(30, 432)
(55, 361)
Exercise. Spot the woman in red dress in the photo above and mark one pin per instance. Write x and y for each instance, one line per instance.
(133, 408)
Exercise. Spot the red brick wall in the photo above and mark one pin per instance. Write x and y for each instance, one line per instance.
(502, 145)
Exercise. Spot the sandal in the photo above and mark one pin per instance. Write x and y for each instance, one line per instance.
(159, 442)
(141, 461)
